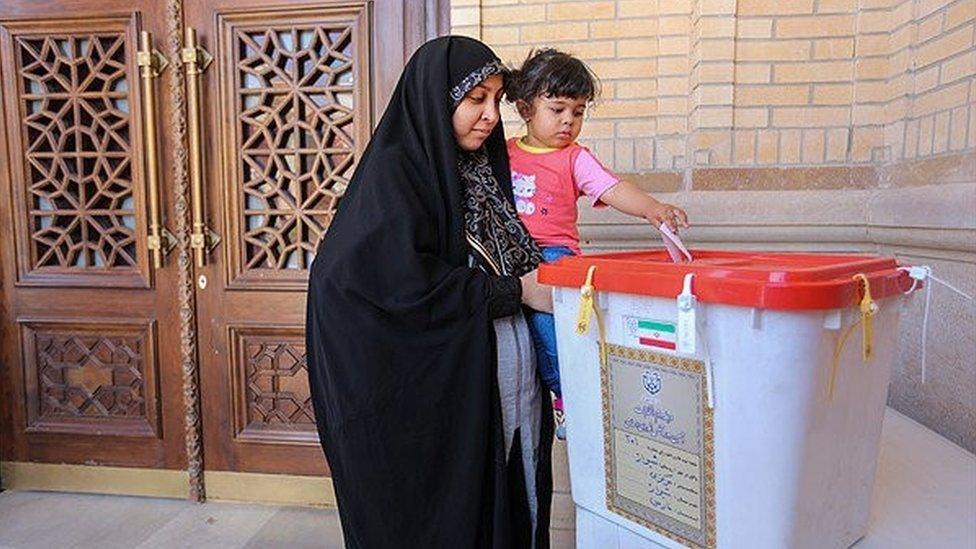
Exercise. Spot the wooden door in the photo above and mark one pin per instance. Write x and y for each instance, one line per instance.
(288, 105)
(89, 366)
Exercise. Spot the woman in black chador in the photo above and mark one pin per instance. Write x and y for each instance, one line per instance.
(421, 367)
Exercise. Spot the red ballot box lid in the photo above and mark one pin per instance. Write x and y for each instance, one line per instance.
(795, 281)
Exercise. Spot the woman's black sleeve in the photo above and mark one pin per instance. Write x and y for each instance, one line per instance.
(504, 296)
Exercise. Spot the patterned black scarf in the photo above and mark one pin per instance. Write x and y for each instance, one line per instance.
(498, 239)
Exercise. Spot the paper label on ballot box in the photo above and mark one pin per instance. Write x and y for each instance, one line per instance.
(658, 443)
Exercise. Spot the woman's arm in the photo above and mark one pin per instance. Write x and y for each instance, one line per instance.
(627, 198)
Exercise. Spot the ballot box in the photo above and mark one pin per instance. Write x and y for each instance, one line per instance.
(734, 400)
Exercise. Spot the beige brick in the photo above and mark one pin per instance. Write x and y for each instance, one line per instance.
(767, 147)
(958, 13)
(675, 7)
(789, 146)
(716, 27)
(774, 7)
(580, 11)
(458, 3)
(772, 50)
(928, 28)
(813, 146)
(716, 72)
(957, 128)
(873, 44)
(624, 68)
(708, 8)
(713, 117)
(815, 71)
(963, 66)
(750, 117)
(674, 25)
(644, 155)
(623, 28)
(911, 139)
(675, 85)
(472, 31)
(672, 124)
(816, 26)
(754, 28)
(902, 38)
(972, 127)
(836, 6)
(941, 132)
(925, 7)
(598, 128)
(673, 45)
(837, 145)
(926, 80)
(672, 106)
(925, 135)
(810, 117)
(944, 98)
(591, 49)
(509, 15)
(863, 142)
(512, 55)
(869, 92)
(871, 68)
(945, 46)
(714, 94)
(636, 8)
(553, 32)
(771, 95)
(636, 128)
(621, 109)
(644, 88)
(637, 47)
(498, 36)
(745, 146)
(865, 115)
(462, 17)
(834, 48)
(753, 73)
(623, 155)
(901, 15)
(873, 21)
(833, 94)
(669, 66)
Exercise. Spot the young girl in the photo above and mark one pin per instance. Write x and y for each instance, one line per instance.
(550, 171)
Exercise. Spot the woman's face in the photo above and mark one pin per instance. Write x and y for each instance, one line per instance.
(477, 114)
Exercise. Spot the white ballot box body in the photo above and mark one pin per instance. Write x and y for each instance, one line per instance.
(790, 465)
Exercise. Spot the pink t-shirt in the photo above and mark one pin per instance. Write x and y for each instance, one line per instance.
(547, 184)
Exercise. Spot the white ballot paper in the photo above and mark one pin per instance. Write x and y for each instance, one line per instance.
(677, 250)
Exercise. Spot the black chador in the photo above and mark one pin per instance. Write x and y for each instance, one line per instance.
(400, 339)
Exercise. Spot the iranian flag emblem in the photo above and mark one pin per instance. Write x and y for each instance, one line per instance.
(651, 333)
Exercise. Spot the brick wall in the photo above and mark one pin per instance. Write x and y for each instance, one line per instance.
(752, 83)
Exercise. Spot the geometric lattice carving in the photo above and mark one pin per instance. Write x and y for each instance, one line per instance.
(295, 88)
(271, 382)
(90, 375)
(277, 384)
(77, 151)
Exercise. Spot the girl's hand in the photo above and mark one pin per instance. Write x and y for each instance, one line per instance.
(672, 216)
(534, 295)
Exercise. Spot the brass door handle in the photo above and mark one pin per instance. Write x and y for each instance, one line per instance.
(195, 62)
(151, 65)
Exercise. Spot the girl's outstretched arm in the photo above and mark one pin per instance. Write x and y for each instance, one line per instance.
(629, 199)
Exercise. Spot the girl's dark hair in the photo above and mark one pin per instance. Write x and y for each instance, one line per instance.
(550, 72)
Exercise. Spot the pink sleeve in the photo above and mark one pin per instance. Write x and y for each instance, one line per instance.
(592, 179)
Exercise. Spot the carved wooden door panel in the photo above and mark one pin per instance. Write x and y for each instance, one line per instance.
(288, 105)
(88, 324)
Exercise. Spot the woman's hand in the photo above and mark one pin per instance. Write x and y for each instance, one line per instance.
(534, 295)
(672, 216)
